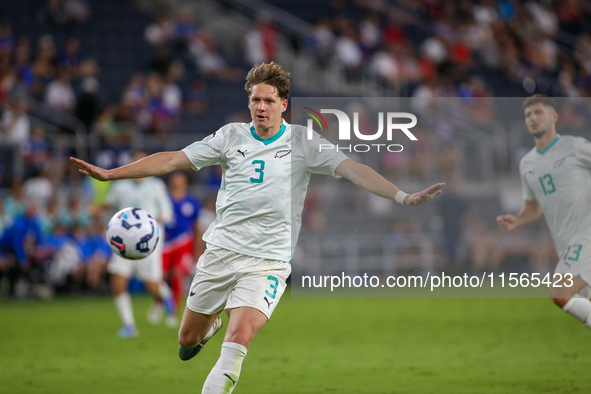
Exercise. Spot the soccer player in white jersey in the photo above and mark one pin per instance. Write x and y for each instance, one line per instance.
(556, 182)
(150, 194)
(249, 245)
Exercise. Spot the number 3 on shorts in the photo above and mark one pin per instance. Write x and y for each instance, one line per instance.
(273, 286)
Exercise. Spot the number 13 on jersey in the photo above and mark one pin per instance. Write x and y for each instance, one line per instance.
(547, 184)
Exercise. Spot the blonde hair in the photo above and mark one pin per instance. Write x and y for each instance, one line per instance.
(271, 74)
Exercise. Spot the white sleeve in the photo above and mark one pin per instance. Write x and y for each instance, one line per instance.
(526, 191)
(207, 152)
(322, 156)
(583, 151)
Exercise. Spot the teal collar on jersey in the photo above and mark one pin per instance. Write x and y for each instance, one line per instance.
(541, 152)
(269, 140)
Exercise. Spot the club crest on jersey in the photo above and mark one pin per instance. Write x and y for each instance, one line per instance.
(559, 162)
(282, 153)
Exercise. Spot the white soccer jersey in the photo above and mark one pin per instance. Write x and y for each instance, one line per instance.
(559, 178)
(149, 194)
(263, 187)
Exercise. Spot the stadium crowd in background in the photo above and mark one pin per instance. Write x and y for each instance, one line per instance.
(442, 49)
(422, 48)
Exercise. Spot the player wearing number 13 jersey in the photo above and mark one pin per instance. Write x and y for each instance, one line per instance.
(266, 167)
(556, 182)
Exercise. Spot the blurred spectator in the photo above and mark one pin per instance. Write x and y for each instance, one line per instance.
(36, 152)
(7, 77)
(172, 96)
(16, 126)
(70, 59)
(14, 202)
(348, 50)
(66, 268)
(161, 60)
(370, 32)
(66, 14)
(88, 105)
(321, 42)
(160, 32)
(49, 218)
(161, 119)
(39, 187)
(184, 29)
(60, 94)
(17, 243)
(7, 41)
(5, 219)
(261, 41)
(44, 66)
(96, 252)
(76, 214)
(107, 127)
(22, 64)
(77, 10)
(195, 98)
(209, 61)
(384, 65)
(434, 49)
(135, 92)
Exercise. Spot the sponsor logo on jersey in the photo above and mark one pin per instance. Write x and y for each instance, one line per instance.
(241, 152)
(267, 301)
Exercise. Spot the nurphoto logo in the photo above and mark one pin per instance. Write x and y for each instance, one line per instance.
(391, 120)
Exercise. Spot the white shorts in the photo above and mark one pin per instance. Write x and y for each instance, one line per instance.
(227, 280)
(577, 260)
(148, 269)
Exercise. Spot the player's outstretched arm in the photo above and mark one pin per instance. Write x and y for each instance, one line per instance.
(367, 178)
(157, 164)
(530, 212)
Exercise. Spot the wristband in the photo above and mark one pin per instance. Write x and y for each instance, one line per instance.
(400, 196)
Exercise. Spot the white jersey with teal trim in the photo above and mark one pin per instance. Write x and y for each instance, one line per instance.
(264, 184)
(559, 178)
(149, 194)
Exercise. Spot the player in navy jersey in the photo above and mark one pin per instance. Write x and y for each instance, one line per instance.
(182, 243)
(259, 209)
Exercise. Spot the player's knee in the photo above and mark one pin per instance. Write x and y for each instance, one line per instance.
(560, 302)
(188, 339)
(242, 336)
(559, 297)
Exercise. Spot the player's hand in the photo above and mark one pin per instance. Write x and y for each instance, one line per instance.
(507, 222)
(88, 169)
(418, 198)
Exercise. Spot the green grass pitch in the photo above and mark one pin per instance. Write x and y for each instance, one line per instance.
(309, 346)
